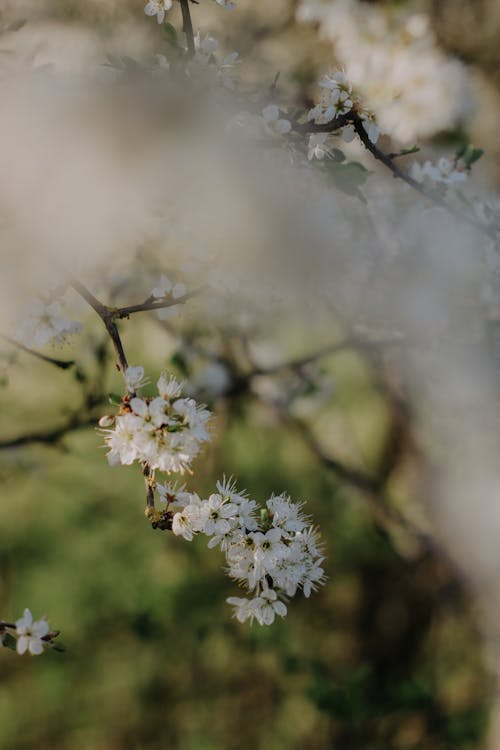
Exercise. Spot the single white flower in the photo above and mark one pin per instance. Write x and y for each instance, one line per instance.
(267, 606)
(134, 378)
(30, 634)
(316, 147)
(163, 289)
(217, 513)
(274, 122)
(158, 8)
(168, 387)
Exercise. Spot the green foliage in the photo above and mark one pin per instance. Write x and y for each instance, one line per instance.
(348, 176)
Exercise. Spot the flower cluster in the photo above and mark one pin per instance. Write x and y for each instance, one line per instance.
(444, 171)
(164, 432)
(411, 86)
(27, 636)
(336, 99)
(272, 552)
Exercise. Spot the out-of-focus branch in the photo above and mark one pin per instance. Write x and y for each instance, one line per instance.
(388, 160)
(62, 364)
(150, 304)
(52, 435)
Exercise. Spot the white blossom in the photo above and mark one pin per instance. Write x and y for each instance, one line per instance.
(162, 432)
(275, 123)
(444, 171)
(46, 324)
(316, 147)
(134, 378)
(158, 8)
(30, 634)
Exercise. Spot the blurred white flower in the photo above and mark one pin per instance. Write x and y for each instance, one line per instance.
(274, 122)
(46, 324)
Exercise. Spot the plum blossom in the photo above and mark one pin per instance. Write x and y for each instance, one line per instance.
(165, 432)
(273, 558)
(158, 8)
(30, 634)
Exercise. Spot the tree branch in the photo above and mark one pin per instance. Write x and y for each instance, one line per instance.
(107, 316)
(151, 304)
(187, 26)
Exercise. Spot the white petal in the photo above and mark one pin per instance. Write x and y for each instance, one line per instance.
(36, 646)
(22, 644)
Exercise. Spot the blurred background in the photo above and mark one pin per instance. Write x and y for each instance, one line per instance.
(393, 652)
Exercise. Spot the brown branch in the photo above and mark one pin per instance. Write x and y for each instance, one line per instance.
(187, 26)
(150, 304)
(327, 127)
(492, 231)
(388, 160)
(107, 316)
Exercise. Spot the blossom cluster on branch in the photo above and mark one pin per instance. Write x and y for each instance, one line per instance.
(273, 551)
(403, 91)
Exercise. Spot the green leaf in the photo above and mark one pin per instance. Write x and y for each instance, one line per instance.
(9, 641)
(347, 176)
(114, 399)
(179, 361)
(337, 155)
(170, 34)
(469, 154)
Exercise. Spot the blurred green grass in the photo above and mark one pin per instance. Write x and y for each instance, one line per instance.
(372, 661)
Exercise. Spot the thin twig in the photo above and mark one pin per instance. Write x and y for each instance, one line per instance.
(151, 304)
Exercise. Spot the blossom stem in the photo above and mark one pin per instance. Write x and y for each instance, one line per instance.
(187, 26)
(150, 495)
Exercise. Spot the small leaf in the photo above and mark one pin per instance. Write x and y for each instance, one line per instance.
(114, 399)
(9, 641)
(337, 155)
(179, 361)
(170, 34)
(347, 176)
